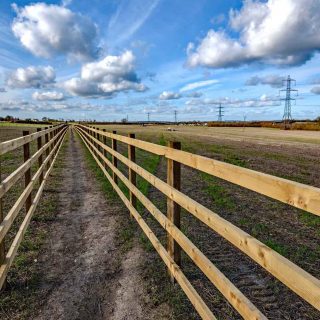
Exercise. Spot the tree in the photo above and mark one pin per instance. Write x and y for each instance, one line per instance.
(9, 118)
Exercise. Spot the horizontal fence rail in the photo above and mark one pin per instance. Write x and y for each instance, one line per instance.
(295, 194)
(45, 156)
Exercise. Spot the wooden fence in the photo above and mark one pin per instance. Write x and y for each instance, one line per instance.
(293, 193)
(45, 156)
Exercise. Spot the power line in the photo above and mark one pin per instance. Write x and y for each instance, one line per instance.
(287, 117)
(148, 113)
(220, 112)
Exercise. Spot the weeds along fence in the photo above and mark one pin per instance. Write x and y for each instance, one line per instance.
(44, 157)
(293, 193)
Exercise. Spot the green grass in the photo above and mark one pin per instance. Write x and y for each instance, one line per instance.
(145, 242)
(235, 160)
(149, 162)
(217, 193)
(7, 156)
(126, 235)
(310, 219)
(304, 253)
(101, 178)
(280, 248)
(259, 229)
(244, 222)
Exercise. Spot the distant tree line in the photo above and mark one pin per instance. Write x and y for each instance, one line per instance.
(12, 119)
(294, 124)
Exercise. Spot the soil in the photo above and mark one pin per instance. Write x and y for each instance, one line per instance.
(86, 274)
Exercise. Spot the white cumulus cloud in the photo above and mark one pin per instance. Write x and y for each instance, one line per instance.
(47, 30)
(49, 95)
(169, 95)
(106, 77)
(31, 77)
(280, 32)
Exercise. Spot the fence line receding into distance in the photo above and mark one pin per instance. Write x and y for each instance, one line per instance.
(45, 156)
(295, 194)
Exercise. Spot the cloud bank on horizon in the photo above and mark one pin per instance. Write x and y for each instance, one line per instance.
(69, 59)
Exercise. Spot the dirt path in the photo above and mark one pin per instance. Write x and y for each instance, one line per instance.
(87, 276)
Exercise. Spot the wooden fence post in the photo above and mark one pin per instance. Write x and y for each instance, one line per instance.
(53, 135)
(94, 136)
(52, 145)
(98, 146)
(132, 173)
(56, 141)
(89, 132)
(27, 175)
(114, 159)
(173, 209)
(105, 151)
(2, 243)
(40, 161)
(46, 140)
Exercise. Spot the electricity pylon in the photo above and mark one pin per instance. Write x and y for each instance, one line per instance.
(175, 116)
(220, 112)
(287, 117)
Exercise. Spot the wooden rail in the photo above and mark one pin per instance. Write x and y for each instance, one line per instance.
(46, 156)
(298, 280)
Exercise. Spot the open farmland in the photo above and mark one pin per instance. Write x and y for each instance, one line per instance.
(258, 135)
(293, 155)
(79, 195)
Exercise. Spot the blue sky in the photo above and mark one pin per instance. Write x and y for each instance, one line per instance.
(105, 60)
